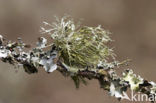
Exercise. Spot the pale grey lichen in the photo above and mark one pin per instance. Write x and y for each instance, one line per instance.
(133, 80)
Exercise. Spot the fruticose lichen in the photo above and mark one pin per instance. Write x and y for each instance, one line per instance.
(79, 52)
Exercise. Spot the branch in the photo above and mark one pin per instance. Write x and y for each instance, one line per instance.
(77, 52)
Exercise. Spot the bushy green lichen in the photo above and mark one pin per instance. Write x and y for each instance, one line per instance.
(80, 47)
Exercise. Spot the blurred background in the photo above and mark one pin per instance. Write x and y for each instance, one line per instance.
(133, 27)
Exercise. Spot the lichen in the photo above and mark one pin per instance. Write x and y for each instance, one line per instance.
(78, 52)
(79, 46)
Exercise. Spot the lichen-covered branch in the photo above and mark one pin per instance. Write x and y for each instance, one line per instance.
(79, 52)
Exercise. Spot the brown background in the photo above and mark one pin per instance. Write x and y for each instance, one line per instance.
(133, 27)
